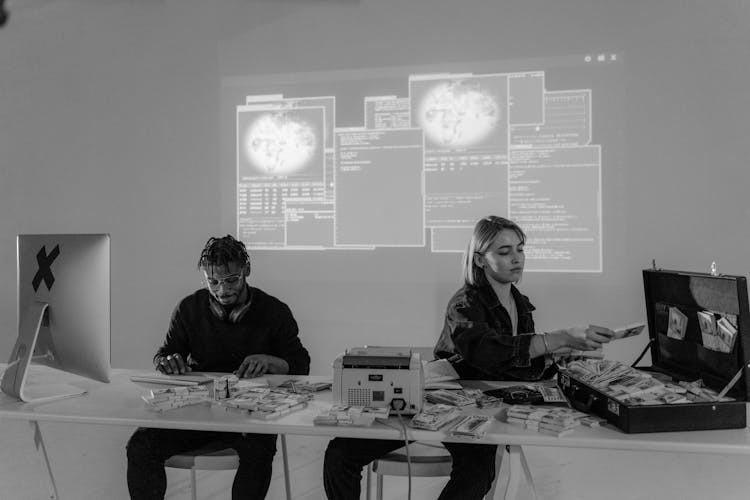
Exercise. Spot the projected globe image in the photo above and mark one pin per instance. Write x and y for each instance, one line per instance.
(458, 114)
(280, 143)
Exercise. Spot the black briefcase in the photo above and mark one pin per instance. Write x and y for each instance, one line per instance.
(677, 305)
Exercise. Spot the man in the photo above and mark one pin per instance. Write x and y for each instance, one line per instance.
(228, 326)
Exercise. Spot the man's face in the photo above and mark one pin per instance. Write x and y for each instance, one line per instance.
(226, 284)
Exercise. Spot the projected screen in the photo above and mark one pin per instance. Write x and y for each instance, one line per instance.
(412, 157)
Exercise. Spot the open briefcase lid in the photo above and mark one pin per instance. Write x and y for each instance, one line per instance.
(691, 317)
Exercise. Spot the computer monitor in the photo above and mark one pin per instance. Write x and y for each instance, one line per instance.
(63, 312)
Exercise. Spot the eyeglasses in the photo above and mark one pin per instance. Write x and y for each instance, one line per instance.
(229, 281)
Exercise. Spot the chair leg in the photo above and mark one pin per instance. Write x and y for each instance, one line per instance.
(379, 486)
(193, 485)
(517, 465)
(514, 464)
(368, 481)
(498, 465)
(527, 472)
(285, 459)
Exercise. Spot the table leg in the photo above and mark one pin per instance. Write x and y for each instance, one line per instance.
(498, 466)
(527, 472)
(285, 458)
(39, 443)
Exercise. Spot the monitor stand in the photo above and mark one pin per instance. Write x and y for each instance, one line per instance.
(14, 378)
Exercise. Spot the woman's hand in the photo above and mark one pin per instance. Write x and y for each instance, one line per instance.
(580, 338)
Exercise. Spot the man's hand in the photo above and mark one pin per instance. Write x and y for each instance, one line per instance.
(256, 365)
(172, 364)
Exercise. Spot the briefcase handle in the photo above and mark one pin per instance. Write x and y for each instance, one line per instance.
(584, 406)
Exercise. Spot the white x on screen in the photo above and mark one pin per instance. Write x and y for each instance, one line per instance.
(63, 313)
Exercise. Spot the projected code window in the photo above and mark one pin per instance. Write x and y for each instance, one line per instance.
(526, 104)
(262, 210)
(379, 193)
(465, 121)
(308, 224)
(280, 155)
(399, 158)
(324, 134)
(386, 112)
(555, 185)
(567, 122)
(555, 195)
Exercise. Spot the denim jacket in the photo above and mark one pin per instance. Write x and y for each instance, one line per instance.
(478, 339)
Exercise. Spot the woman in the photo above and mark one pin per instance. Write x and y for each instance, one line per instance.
(488, 335)
(489, 330)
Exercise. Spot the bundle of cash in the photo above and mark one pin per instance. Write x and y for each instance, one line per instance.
(697, 391)
(552, 394)
(665, 395)
(223, 386)
(358, 416)
(718, 330)
(622, 332)
(471, 426)
(614, 334)
(304, 385)
(636, 387)
(677, 326)
(433, 417)
(338, 414)
(726, 333)
(614, 378)
(557, 421)
(176, 397)
(265, 403)
(601, 373)
(650, 391)
(460, 398)
(578, 354)
(488, 401)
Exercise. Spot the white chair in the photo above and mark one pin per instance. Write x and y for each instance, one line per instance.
(427, 460)
(433, 460)
(517, 464)
(216, 456)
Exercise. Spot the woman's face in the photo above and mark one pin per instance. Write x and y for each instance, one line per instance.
(504, 259)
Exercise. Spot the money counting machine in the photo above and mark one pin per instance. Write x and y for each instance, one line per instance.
(379, 377)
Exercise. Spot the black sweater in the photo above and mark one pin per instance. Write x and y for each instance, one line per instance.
(218, 345)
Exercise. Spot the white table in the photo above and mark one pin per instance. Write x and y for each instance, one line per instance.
(120, 403)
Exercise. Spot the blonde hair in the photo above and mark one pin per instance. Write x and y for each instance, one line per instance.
(485, 232)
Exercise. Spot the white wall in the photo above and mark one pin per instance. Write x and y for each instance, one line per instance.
(109, 121)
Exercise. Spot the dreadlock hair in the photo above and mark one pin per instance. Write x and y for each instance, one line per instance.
(220, 252)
